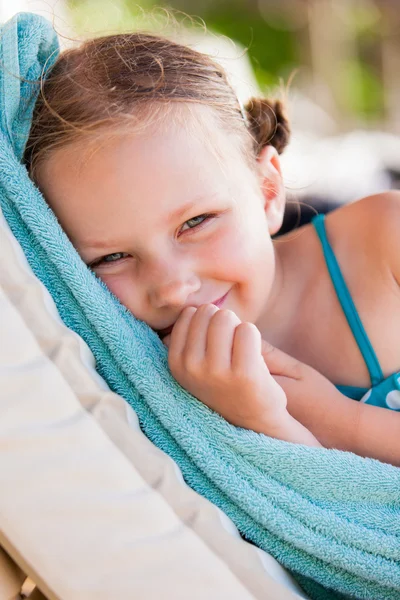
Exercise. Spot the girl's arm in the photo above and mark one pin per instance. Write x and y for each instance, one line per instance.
(339, 422)
(335, 420)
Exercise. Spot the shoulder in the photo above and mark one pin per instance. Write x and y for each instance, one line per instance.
(381, 215)
(380, 208)
(374, 212)
(373, 225)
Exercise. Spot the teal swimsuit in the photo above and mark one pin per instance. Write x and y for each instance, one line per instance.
(384, 392)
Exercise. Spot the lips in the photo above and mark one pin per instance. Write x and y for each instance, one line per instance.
(220, 301)
(167, 330)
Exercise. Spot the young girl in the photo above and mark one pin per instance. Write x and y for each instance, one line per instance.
(171, 192)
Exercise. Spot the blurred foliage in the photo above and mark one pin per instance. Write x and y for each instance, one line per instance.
(272, 51)
(362, 90)
(275, 32)
(362, 86)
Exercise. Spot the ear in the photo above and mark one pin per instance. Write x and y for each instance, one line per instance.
(269, 169)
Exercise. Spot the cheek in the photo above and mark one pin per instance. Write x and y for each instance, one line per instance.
(241, 250)
(124, 289)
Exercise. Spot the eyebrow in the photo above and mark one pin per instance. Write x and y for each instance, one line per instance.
(105, 243)
(192, 204)
(183, 209)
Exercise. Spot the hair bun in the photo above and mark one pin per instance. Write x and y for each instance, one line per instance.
(267, 124)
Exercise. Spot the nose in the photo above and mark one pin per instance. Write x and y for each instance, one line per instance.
(173, 288)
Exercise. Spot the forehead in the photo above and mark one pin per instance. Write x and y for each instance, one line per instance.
(93, 184)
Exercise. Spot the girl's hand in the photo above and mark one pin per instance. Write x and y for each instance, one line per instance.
(337, 421)
(299, 381)
(218, 359)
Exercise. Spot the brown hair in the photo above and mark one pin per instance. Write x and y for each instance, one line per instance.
(116, 78)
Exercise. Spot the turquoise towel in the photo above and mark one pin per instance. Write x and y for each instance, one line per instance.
(330, 517)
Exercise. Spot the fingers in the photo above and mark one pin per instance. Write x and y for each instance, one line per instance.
(188, 341)
(246, 350)
(197, 334)
(220, 336)
(178, 337)
(203, 335)
(219, 339)
(279, 363)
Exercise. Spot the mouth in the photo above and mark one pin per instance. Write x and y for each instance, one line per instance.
(162, 333)
(220, 301)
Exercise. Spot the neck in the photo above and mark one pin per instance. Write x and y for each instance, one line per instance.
(280, 308)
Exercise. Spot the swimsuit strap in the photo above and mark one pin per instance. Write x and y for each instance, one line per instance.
(347, 304)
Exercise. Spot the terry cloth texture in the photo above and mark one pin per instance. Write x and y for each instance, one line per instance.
(332, 518)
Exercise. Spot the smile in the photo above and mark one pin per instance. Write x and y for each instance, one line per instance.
(220, 301)
(167, 330)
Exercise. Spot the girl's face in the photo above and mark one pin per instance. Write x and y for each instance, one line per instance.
(169, 220)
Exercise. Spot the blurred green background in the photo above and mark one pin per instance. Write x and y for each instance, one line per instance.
(344, 54)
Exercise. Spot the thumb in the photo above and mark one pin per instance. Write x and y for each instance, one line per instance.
(279, 363)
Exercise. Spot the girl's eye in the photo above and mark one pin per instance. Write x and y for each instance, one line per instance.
(196, 222)
(110, 258)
